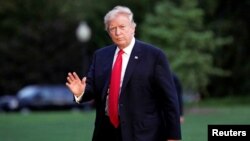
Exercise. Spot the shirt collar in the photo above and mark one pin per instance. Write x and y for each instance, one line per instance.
(127, 50)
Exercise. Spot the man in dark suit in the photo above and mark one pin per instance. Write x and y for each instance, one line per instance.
(132, 86)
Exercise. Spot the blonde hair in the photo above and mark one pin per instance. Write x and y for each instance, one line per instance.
(116, 11)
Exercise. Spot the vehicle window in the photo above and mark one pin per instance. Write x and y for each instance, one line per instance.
(27, 92)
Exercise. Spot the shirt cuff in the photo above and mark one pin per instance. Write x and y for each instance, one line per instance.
(79, 98)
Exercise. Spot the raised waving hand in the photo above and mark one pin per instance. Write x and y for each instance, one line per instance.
(75, 84)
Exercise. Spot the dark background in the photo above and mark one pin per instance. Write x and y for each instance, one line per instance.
(38, 43)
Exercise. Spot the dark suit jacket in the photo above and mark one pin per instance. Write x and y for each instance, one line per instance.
(148, 105)
(179, 92)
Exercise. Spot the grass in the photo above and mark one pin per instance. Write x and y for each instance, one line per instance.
(196, 120)
(78, 126)
(47, 126)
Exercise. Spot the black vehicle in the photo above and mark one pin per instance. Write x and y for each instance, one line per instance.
(8, 103)
(48, 97)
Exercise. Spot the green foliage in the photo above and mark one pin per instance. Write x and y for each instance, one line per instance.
(35, 44)
(225, 18)
(38, 43)
(179, 30)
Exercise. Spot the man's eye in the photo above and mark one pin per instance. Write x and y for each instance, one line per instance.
(112, 29)
(122, 27)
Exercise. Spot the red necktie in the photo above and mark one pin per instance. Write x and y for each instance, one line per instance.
(114, 90)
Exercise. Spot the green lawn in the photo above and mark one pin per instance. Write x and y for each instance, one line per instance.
(75, 126)
(47, 126)
(196, 120)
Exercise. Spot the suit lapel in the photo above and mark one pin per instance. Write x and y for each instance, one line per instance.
(107, 68)
(134, 59)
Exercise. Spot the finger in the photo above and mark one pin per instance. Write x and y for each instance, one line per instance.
(73, 77)
(84, 80)
(70, 77)
(76, 76)
(68, 85)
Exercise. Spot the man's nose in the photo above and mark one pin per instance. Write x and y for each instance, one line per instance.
(117, 31)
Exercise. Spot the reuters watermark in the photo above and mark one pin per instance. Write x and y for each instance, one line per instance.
(220, 132)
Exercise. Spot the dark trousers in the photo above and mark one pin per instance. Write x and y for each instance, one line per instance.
(109, 133)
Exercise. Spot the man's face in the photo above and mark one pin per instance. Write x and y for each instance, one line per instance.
(121, 30)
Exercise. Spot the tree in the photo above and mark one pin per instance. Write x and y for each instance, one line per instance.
(38, 43)
(225, 18)
(179, 30)
(35, 44)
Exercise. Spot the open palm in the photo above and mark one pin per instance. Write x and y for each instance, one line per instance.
(75, 84)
